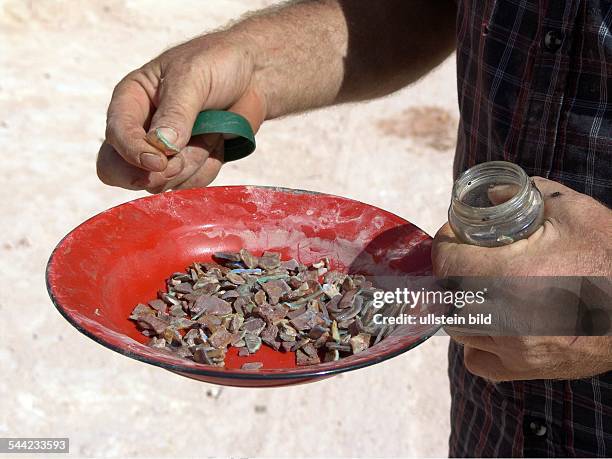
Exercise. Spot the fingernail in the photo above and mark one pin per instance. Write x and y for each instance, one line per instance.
(152, 162)
(167, 136)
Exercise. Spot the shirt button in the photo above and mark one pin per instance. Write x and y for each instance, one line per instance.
(537, 429)
(553, 40)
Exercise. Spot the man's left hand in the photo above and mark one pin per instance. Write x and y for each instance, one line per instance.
(575, 240)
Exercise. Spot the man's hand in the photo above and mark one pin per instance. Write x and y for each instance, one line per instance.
(153, 109)
(511, 358)
(575, 240)
(300, 56)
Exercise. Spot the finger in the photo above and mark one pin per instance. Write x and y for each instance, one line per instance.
(208, 171)
(525, 361)
(451, 257)
(443, 252)
(181, 97)
(128, 113)
(446, 234)
(486, 365)
(204, 176)
(483, 343)
(204, 166)
(113, 170)
(194, 156)
(501, 193)
(159, 181)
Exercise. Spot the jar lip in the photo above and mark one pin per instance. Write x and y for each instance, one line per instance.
(492, 212)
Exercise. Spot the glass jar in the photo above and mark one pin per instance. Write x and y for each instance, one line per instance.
(495, 203)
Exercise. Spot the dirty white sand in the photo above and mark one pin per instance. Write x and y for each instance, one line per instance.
(58, 64)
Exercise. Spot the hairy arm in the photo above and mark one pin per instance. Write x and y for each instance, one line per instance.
(290, 58)
(309, 54)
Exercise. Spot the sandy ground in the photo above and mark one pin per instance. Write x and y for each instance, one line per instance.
(59, 63)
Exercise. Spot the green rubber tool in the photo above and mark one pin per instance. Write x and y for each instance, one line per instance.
(224, 122)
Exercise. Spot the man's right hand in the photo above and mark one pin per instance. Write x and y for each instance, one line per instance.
(157, 105)
(272, 63)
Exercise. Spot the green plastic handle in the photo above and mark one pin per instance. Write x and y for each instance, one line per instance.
(223, 122)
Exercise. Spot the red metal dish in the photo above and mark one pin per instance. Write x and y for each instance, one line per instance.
(122, 256)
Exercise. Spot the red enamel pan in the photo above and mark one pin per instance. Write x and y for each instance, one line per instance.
(122, 256)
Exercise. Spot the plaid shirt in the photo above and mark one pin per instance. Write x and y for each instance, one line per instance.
(533, 83)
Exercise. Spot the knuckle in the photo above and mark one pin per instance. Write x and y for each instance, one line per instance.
(110, 132)
(116, 138)
(471, 361)
(124, 83)
(172, 115)
(119, 86)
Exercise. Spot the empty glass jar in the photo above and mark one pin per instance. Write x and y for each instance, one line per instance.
(495, 203)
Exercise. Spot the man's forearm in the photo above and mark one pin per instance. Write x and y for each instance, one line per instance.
(309, 54)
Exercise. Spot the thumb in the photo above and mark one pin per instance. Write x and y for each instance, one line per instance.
(180, 101)
(502, 193)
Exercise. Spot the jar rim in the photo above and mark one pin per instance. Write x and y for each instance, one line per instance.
(485, 215)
